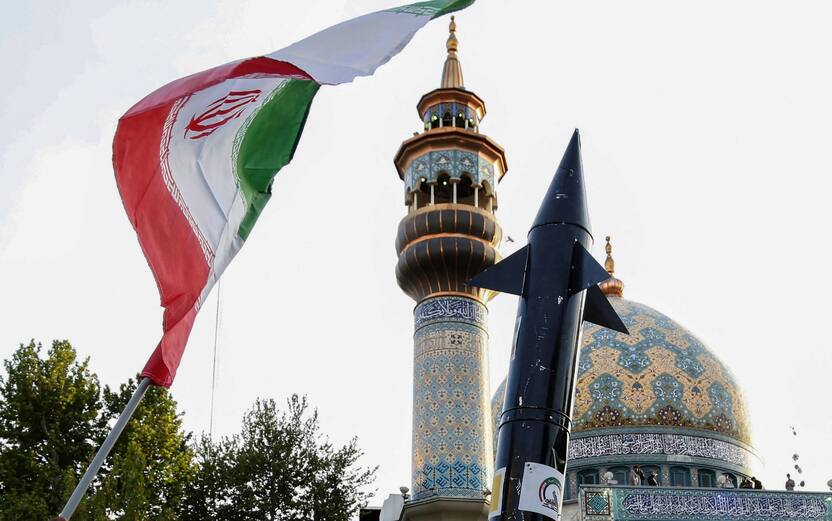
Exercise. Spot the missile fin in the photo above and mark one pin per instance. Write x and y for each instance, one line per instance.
(598, 310)
(586, 272)
(507, 276)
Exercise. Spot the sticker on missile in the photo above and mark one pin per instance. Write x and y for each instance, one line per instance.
(497, 493)
(542, 490)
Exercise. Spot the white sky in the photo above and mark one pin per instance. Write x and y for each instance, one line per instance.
(706, 133)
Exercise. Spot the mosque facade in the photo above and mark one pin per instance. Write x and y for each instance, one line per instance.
(657, 399)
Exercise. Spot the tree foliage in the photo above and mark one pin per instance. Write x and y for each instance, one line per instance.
(54, 416)
(279, 468)
(150, 467)
(51, 423)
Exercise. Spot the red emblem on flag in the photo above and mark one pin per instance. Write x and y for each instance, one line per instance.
(220, 112)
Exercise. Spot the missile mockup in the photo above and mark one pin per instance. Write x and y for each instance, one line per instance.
(556, 279)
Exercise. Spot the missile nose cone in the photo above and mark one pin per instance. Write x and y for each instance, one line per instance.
(565, 201)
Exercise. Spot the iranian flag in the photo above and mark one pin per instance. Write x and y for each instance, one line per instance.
(195, 160)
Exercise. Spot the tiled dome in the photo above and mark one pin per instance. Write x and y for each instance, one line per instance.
(660, 375)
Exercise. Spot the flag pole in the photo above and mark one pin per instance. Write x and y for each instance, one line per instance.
(104, 451)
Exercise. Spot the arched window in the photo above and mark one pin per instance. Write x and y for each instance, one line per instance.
(444, 189)
(447, 119)
(434, 120)
(679, 477)
(620, 475)
(465, 190)
(460, 120)
(588, 477)
(649, 469)
(707, 478)
(486, 196)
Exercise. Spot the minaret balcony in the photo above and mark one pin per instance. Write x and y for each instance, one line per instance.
(442, 246)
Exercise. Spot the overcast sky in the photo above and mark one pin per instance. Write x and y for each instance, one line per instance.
(706, 138)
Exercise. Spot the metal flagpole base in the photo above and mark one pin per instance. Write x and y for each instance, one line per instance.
(104, 451)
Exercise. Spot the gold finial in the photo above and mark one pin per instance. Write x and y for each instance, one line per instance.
(612, 287)
(452, 72)
(453, 43)
(609, 264)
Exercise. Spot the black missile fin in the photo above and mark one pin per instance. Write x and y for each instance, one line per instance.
(586, 272)
(598, 310)
(507, 276)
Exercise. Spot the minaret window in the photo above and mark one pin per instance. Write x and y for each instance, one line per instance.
(465, 190)
(422, 195)
(444, 189)
(486, 197)
(447, 119)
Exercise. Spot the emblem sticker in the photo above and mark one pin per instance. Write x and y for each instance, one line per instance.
(542, 490)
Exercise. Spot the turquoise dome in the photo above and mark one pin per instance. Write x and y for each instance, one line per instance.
(659, 376)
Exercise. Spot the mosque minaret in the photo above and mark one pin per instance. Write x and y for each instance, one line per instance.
(450, 233)
(660, 427)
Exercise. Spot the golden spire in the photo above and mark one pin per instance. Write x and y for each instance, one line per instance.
(452, 72)
(609, 264)
(611, 287)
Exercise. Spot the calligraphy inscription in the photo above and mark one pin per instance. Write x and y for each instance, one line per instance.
(652, 443)
(722, 505)
(450, 308)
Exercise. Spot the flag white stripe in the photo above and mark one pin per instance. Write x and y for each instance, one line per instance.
(354, 48)
(203, 167)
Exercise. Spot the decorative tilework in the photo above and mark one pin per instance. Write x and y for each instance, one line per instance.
(699, 505)
(450, 309)
(641, 443)
(454, 108)
(659, 375)
(597, 503)
(453, 162)
(688, 504)
(657, 392)
(452, 447)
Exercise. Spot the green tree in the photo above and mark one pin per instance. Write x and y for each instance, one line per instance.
(279, 468)
(207, 496)
(50, 426)
(150, 467)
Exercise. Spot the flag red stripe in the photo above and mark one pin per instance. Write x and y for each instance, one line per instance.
(196, 82)
(169, 243)
(167, 239)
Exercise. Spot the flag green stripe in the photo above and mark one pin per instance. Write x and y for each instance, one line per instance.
(446, 6)
(269, 143)
(434, 8)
